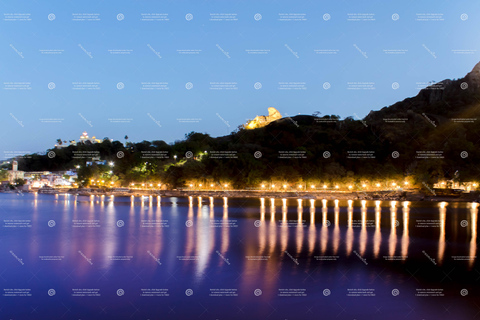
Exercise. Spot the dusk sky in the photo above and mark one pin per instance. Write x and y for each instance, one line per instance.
(158, 70)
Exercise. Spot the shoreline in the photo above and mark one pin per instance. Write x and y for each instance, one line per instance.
(409, 195)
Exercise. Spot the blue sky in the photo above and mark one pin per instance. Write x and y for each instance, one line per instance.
(33, 119)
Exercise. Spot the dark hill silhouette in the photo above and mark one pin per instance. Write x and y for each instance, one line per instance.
(391, 144)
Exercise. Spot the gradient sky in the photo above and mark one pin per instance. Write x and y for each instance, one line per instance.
(32, 119)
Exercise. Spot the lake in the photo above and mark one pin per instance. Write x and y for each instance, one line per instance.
(73, 257)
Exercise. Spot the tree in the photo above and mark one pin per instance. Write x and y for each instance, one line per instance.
(3, 175)
(19, 182)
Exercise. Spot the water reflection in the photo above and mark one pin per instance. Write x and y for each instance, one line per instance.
(298, 229)
(405, 237)
(441, 240)
(377, 239)
(392, 241)
(473, 241)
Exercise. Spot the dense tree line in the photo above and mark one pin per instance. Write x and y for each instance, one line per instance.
(303, 149)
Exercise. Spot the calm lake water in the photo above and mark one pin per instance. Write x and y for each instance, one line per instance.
(67, 257)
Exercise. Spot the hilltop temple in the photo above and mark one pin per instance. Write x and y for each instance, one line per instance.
(83, 139)
(262, 121)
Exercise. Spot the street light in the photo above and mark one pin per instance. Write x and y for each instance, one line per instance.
(111, 163)
(263, 186)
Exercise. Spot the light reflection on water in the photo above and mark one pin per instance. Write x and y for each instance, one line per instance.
(290, 233)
